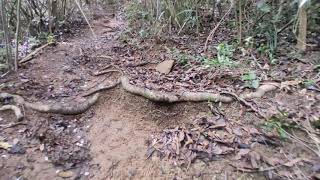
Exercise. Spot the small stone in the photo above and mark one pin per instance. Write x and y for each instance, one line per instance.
(165, 66)
(41, 147)
(65, 174)
(17, 149)
(15, 141)
(86, 173)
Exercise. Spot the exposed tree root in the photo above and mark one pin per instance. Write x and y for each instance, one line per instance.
(101, 87)
(159, 96)
(15, 109)
(261, 91)
(72, 108)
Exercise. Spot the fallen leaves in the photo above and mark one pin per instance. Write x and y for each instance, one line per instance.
(211, 138)
(206, 138)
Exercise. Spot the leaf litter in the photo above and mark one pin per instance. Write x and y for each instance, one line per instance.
(213, 138)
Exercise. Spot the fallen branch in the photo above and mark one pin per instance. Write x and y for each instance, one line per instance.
(72, 108)
(31, 55)
(11, 125)
(13, 108)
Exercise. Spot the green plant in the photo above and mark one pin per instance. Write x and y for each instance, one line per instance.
(143, 33)
(264, 50)
(251, 80)
(224, 56)
(271, 125)
(309, 82)
(135, 11)
(280, 124)
(182, 58)
(51, 39)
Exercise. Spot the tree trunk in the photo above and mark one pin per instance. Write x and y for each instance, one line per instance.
(17, 36)
(302, 36)
(6, 32)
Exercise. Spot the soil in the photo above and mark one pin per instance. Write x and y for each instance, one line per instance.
(111, 139)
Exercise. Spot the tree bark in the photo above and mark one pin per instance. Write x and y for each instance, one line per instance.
(6, 32)
(302, 36)
(17, 36)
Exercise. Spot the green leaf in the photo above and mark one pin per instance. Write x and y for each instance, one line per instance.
(264, 7)
(255, 83)
(249, 77)
(282, 133)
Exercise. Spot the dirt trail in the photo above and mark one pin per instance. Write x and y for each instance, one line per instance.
(117, 127)
(110, 140)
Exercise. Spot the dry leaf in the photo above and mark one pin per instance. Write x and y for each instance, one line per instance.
(271, 161)
(254, 159)
(181, 136)
(241, 153)
(293, 162)
(237, 131)
(217, 150)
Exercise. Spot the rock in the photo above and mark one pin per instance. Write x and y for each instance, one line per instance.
(5, 145)
(165, 66)
(65, 174)
(42, 147)
(17, 149)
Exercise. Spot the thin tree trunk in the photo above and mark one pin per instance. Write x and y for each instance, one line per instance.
(50, 15)
(158, 9)
(240, 22)
(6, 32)
(17, 36)
(302, 36)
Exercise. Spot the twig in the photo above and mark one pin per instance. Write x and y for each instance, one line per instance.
(102, 88)
(256, 61)
(12, 125)
(3, 75)
(216, 27)
(106, 71)
(256, 170)
(302, 143)
(137, 64)
(85, 17)
(246, 103)
(104, 56)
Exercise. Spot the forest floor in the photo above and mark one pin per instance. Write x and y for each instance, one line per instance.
(123, 136)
